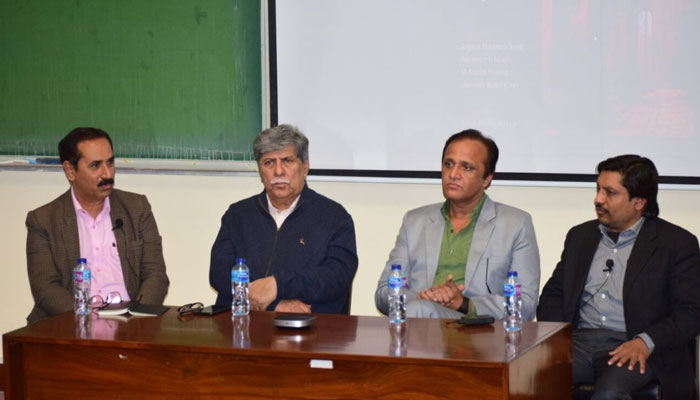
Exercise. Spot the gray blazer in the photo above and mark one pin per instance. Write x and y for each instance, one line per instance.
(53, 247)
(504, 239)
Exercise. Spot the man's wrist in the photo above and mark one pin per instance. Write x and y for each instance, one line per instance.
(464, 308)
(647, 341)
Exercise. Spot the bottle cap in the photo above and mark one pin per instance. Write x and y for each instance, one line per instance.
(513, 273)
(395, 267)
(240, 260)
(82, 261)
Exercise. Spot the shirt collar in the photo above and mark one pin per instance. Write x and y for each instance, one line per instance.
(445, 209)
(274, 211)
(79, 207)
(632, 231)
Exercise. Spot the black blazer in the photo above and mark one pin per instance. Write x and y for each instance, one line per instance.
(660, 294)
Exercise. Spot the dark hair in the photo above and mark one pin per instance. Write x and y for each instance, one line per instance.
(68, 146)
(279, 137)
(491, 148)
(639, 177)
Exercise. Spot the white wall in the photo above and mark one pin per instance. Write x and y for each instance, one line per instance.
(188, 209)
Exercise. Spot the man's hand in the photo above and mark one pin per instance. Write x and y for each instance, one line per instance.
(635, 351)
(293, 306)
(262, 292)
(446, 294)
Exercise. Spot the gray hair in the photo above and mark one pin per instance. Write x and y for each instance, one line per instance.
(279, 137)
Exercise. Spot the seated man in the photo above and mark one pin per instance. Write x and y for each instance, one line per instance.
(298, 244)
(114, 230)
(627, 283)
(456, 254)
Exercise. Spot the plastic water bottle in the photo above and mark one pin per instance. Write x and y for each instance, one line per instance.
(513, 317)
(397, 296)
(518, 295)
(81, 288)
(240, 305)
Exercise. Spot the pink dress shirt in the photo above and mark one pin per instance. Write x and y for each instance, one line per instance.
(99, 246)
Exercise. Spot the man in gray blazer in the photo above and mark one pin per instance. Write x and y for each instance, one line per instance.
(456, 254)
(113, 229)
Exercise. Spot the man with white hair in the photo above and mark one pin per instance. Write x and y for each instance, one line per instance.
(299, 245)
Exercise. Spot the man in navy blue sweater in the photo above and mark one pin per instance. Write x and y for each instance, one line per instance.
(299, 245)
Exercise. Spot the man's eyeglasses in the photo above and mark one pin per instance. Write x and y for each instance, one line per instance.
(190, 308)
(98, 303)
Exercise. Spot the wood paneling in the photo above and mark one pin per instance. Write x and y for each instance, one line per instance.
(215, 357)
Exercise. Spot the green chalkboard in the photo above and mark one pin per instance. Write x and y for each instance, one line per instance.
(166, 78)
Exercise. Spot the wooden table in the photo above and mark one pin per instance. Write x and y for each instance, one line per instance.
(348, 357)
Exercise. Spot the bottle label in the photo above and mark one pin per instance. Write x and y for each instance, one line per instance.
(240, 276)
(81, 276)
(518, 289)
(395, 282)
(508, 290)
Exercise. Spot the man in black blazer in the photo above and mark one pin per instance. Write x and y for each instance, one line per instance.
(628, 284)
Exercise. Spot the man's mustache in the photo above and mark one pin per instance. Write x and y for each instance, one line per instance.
(108, 181)
(275, 181)
(599, 207)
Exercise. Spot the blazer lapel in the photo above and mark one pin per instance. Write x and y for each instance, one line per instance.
(644, 247)
(589, 244)
(117, 213)
(482, 234)
(434, 228)
(69, 230)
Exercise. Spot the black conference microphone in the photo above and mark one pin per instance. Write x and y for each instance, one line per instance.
(610, 265)
(119, 223)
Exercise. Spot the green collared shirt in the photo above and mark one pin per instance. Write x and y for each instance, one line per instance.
(455, 247)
